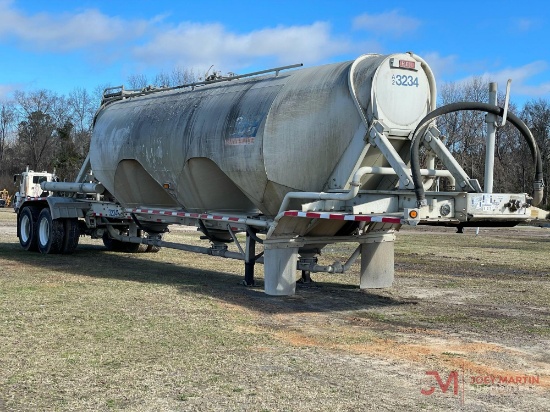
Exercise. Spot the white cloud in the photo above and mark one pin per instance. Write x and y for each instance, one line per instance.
(393, 23)
(6, 90)
(195, 44)
(66, 31)
(525, 25)
(156, 45)
(441, 65)
(523, 79)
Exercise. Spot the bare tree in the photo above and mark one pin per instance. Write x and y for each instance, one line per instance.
(536, 115)
(137, 81)
(35, 135)
(466, 137)
(181, 75)
(7, 120)
(464, 131)
(83, 107)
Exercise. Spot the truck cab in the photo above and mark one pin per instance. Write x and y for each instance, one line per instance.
(28, 184)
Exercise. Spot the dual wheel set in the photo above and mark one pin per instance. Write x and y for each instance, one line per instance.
(39, 232)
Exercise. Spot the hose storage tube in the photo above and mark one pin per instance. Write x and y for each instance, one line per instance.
(538, 184)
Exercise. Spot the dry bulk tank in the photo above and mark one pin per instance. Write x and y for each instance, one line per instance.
(239, 146)
(293, 161)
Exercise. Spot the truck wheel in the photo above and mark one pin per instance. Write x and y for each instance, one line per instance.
(133, 247)
(152, 249)
(72, 235)
(126, 247)
(111, 244)
(50, 233)
(27, 227)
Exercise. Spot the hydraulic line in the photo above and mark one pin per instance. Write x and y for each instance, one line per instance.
(420, 130)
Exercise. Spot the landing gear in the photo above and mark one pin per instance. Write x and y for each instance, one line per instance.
(306, 278)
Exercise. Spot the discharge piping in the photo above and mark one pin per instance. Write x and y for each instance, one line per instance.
(538, 184)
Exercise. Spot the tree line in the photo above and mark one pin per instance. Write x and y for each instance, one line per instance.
(47, 131)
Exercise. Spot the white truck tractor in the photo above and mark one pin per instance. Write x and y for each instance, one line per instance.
(29, 186)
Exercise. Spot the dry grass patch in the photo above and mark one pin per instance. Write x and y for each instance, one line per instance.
(175, 331)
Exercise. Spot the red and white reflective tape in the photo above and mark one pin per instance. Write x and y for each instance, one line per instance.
(290, 213)
(202, 216)
(341, 216)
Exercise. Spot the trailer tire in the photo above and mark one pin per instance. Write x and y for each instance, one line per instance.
(152, 249)
(111, 244)
(72, 235)
(115, 245)
(133, 247)
(50, 233)
(27, 223)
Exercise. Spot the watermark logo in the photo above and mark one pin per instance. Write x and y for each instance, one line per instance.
(454, 383)
(453, 378)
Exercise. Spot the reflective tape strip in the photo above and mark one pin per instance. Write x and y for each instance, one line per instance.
(341, 216)
(189, 215)
(290, 213)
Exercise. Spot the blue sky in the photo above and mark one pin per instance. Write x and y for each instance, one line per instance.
(63, 44)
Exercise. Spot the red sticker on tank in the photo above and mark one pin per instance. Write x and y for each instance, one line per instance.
(406, 64)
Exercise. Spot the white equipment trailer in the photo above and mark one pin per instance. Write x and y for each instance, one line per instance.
(295, 159)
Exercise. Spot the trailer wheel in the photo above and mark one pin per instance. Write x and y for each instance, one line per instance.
(50, 233)
(115, 245)
(27, 228)
(133, 247)
(152, 249)
(111, 244)
(72, 235)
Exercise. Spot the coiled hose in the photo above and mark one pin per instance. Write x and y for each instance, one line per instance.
(538, 185)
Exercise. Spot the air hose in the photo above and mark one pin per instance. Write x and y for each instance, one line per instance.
(538, 184)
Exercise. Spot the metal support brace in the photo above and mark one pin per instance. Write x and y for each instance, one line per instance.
(378, 138)
(249, 260)
(464, 183)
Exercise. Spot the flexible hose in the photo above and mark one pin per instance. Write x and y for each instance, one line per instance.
(538, 184)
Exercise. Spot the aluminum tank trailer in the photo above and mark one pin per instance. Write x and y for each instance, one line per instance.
(292, 159)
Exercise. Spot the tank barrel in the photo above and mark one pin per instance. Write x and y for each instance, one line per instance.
(73, 187)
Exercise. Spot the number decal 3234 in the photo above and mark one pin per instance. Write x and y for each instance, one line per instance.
(404, 80)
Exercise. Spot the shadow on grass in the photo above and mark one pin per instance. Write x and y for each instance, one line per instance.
(95, 261)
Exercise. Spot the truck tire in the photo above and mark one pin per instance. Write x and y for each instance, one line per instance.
(72, 235)
(115, 245)
(50, 233)
(111, 244)
(27, 223)
(152, 249)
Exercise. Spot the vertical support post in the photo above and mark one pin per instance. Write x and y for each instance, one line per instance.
(377, 265)
(490, 119)
(249, 260)
(280, 269)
